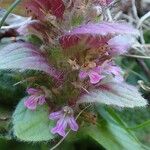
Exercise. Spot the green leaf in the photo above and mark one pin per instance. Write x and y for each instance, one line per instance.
(110, 115)
(140, 126)
(32, 125)
(113, 137)
(112, 133)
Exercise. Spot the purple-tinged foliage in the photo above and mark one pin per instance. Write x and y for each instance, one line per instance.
(36, 28)
(87, 60)
(115, 94)
(41, 8)
(25, 56)
(92, 33)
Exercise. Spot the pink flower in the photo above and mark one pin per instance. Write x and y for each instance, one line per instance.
(64, 118)
(37, 97)
(96, 74)
(93, 74)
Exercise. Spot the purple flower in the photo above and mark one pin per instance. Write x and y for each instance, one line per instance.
(64, 118)
(96, 74)
(93, 74)
(37, 97)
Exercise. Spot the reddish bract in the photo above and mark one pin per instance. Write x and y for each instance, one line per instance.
(94, 34)
(40, 8)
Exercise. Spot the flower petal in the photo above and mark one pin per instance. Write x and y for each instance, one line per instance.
(83, 74)
(41, 100)
(60, 127)
(31, 103)
(94, 77)
(56, 115)
(73, 124)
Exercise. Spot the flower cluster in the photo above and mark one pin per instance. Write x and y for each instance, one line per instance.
(89, 49)
(75, 50)
(103, 41)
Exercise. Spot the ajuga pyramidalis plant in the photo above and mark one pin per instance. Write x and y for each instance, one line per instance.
(76, 66)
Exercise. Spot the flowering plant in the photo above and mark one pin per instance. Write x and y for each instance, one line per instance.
(74, 78)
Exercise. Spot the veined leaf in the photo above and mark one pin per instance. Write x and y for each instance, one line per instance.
(32, 125)
(117, 94)
(113, 137)
(112, 132)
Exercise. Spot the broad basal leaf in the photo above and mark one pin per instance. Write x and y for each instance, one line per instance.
(117, 94)
(32, 125)
(25, 56)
